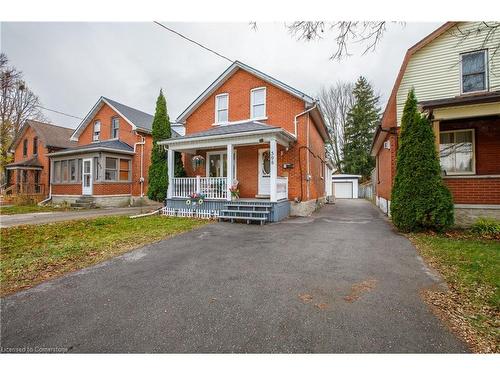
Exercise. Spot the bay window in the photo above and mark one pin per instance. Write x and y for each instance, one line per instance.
(456, 152)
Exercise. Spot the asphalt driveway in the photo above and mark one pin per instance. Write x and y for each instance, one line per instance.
(340, 281)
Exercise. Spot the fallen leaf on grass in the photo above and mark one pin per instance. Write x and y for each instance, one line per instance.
(321, 306)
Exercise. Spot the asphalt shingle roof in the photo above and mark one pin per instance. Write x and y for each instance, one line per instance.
(140, 119)
(33, 162)
(114, 144)
(49, 134)
(232, 128)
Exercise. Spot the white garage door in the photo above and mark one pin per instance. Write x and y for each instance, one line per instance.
(343, 189)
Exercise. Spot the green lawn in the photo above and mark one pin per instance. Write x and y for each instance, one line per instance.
(32, 254)
(470, 265)
(26, 209)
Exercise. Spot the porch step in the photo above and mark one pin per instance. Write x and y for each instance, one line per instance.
(249, 211)
(84, 202)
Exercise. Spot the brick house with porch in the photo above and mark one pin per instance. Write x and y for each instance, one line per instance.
(110, 158)
(248, 128)
(457, 83)
(29, 173)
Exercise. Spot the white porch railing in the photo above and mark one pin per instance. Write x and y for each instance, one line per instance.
(210, 187)
(281, 188)
(216, 187)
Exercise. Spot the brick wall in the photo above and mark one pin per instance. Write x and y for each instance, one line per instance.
(29, 134)
(98, 189)
(386, 167)
(127, 135)
(281, 108)
(474, 190)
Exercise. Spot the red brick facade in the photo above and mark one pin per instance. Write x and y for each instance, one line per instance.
(281, 108)
(125, 134)
(465, 189)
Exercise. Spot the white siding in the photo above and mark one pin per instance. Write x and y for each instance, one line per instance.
(434, 71)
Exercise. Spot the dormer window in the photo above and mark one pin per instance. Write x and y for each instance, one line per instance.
(474, 71)
(97, 131)
(222, 108)
(258, 103)
(115, 127)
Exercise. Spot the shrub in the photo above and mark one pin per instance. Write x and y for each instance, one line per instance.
(420, 200)
(486, 226)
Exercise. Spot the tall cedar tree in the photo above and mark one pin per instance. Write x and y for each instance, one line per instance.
(420, 200)
(158, 173)
(361, 122)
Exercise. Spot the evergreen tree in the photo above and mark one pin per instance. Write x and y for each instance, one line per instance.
(361, 122)
(158, 173)
(420, 200)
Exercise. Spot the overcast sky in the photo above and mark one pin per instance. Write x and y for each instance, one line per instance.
(70, 65)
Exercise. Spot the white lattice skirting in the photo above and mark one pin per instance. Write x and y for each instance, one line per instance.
(186, 212)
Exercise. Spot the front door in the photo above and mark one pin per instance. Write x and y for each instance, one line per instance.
(264, 172)
(87, 177)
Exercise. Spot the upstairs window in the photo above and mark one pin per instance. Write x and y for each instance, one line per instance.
(474, 71)
(35, 146)
(258, 103)
(25, 147)
(97, 131)
(221, 108)
(456, 152)
(115, 126)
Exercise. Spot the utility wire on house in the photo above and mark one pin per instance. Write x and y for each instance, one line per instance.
(61, 113)
(193, 41)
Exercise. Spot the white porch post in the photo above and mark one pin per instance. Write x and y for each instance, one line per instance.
(273, 159)
(230, 176)
(170, 166)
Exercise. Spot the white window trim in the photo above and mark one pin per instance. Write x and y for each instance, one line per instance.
(207, 164)
(473, 172)
(265, 103)
(117, 129)
(216, 122)
(93, 131)
(486, 75)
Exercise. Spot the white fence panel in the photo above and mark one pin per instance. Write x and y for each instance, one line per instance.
(186, 212)
(282, 187)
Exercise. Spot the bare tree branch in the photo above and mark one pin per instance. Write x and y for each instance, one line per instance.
(336, 102)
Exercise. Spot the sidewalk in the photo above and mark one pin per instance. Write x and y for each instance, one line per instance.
(55, 216)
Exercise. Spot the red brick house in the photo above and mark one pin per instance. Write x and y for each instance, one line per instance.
(109, 161)
(457, 83)
(29, 173)
(275, 137)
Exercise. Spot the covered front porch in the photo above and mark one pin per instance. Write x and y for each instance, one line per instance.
(228, 166)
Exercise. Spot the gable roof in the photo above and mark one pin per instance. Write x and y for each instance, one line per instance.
(49, 134)
(227, 74)
(139, 120)
(389, 116)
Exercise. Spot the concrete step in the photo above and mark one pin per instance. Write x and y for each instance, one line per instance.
(248, 219)
(83, 205)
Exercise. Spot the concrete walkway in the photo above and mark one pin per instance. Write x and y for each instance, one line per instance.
(340, 281)
(55, 216)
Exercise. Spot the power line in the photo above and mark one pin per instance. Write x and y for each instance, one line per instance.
(61, 113)
(193, 41)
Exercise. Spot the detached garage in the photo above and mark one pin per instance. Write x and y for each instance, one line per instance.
(345, 186)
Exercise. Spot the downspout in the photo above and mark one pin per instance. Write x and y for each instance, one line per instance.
(142, 143)
(295, 122)
(50, 186)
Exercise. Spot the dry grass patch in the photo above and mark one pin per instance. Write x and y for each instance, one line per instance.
(470, 265)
